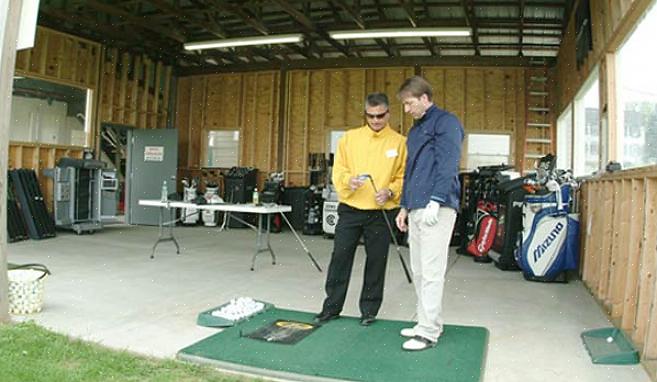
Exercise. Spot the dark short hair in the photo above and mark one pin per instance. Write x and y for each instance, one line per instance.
(415, 86)
(377, 99)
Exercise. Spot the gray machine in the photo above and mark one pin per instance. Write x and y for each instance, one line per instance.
(80, 187)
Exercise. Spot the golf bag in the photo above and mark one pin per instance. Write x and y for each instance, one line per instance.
(486, 227)
(550, 238)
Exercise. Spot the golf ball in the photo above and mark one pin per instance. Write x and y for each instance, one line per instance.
(610, 339)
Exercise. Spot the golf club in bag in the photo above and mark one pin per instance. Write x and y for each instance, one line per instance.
(392, 233)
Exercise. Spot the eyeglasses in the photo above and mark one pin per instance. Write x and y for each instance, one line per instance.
(376, 116)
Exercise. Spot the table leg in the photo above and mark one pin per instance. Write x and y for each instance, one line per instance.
(273, 256)
(161, 236)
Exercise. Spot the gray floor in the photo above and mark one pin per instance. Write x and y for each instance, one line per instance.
(105, 289)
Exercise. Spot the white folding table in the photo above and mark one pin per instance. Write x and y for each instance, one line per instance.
(261, 210)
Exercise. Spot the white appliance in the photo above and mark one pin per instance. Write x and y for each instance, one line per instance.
(330, 217)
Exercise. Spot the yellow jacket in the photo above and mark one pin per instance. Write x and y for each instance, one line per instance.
(381, 154)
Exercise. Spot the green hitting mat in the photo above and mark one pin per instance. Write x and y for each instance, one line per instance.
(343, 350)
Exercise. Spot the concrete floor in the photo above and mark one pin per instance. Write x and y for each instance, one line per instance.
(105, 289)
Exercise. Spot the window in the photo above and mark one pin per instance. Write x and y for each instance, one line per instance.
(565, 139)
(488, 150)
(334, 138)
(223, 148)
(48, 112)
(637, 96)
(587, 128)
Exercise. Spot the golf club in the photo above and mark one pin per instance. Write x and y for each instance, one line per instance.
(392, 233)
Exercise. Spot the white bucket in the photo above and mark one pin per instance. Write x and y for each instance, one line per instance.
(26, 290)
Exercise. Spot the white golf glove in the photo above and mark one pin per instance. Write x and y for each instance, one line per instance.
(430, 215)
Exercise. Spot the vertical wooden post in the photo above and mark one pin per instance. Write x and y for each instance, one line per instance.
(9, 23)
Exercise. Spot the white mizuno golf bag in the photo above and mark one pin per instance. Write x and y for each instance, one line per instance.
(550, 237)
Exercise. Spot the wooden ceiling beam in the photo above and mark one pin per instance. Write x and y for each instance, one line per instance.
(107, 34)
(358, 20)
(471, 21)
(135, 20)
(173, 10)
(409, 10)
(521, 31)
(305, 22)
(369, 62)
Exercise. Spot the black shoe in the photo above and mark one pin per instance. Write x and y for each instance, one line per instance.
(322, 318)
(367, 320)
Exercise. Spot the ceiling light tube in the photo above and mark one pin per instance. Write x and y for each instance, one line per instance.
(245, 41)
(400, 33)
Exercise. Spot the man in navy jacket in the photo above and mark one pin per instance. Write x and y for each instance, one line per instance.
(429, 201)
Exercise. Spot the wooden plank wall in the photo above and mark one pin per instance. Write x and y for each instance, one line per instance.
(248, 102)
(619, 253)
(63, 59)
(611, 22)
(128, 89)
(134, 90)
(39, 156)
(486, 100)
(319, 101)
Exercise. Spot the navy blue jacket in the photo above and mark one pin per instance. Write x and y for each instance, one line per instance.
(432, 162)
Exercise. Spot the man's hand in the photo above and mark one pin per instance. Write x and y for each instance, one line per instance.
(383, 196)
(355, 183)
(400, 220)
(430, 214)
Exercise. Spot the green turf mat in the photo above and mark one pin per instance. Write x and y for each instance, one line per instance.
(344, 350)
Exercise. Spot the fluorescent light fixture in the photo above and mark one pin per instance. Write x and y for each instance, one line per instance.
(399, 33)
(245, 41)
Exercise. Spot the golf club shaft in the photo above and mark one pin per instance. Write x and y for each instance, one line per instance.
(394, 237)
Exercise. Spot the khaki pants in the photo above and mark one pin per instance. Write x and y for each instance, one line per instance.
(429, 247)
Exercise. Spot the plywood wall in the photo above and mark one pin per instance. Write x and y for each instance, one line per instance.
(611, 23)
(316, 102)
(37, 156)
(619, 252)
(490, 100)
(61, 58)
(134, 90)
(319, 101)
(248, 102)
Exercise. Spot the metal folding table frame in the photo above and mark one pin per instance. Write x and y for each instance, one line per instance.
(261, 210)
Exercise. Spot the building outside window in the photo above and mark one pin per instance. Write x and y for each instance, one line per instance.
(587, 128)
(565, 139)
(637, 95)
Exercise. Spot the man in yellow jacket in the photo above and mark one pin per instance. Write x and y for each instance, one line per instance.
(368, 172)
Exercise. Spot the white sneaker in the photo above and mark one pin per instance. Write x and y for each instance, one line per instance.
(407, 332)
(418, 343)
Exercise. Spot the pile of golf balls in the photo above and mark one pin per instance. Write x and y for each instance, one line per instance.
(239, 308)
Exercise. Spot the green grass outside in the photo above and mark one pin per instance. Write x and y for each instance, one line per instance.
(31, 353)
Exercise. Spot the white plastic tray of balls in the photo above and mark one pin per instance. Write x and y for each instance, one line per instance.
(236, 310)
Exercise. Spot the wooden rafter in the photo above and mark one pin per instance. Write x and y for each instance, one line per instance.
(409, 9)
(306, 23)
(137, 21)
(175, 11)
(358, 20)
(471, 21)
(521, 33)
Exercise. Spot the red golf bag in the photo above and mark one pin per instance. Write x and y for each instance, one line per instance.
(485, 231)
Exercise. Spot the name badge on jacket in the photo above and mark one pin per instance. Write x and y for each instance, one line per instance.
(391, 153)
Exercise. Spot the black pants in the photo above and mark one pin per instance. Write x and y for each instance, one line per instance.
(352, 224)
